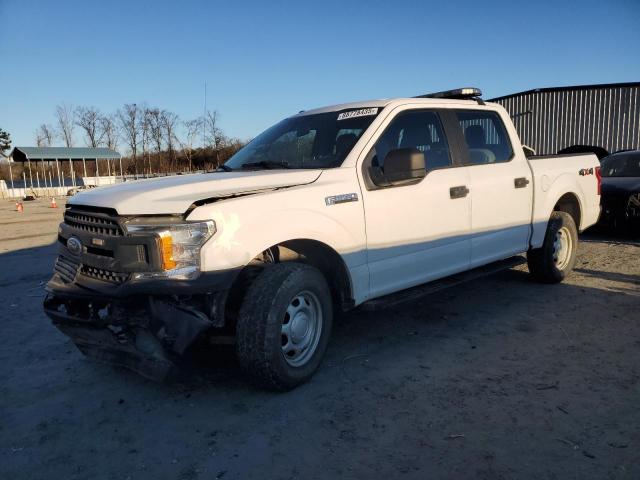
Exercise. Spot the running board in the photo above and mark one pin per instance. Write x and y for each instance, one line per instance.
(415, 293)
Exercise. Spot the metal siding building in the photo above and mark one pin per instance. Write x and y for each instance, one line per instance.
(552, 119)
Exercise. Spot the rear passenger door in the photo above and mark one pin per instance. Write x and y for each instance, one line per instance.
(500, 187)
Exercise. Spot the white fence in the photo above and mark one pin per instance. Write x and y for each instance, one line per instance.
(7, 192)
(100, 181)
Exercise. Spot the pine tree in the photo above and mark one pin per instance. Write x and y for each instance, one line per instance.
(5, 143)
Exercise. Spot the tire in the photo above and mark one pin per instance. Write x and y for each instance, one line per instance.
(287, 307)
(552, 262)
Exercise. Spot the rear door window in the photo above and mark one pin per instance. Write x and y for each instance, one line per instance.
(485, 136)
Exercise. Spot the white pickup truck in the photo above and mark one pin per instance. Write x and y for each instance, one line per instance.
(324, 211)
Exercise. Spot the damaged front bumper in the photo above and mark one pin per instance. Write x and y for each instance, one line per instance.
(95, 298)
(145, 334)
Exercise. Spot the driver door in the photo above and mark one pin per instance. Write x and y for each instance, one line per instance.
(421, 231)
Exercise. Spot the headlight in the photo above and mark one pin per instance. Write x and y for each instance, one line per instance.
(178, 245)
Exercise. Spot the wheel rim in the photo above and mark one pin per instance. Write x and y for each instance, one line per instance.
(301, 328)
(562, 248)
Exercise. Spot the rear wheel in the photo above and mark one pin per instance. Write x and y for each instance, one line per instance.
(284, 325)
(552, 262)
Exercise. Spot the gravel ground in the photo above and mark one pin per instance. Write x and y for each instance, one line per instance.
(499, 378)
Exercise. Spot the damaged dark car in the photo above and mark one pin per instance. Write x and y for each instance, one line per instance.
(621, 191)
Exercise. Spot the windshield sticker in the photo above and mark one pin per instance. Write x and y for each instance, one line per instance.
(363, 112)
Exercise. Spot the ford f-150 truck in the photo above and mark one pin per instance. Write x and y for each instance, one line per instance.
(326, 210)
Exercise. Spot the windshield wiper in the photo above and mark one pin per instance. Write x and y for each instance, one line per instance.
(266, 164)
(224, 168)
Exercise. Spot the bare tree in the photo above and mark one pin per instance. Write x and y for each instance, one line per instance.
(128, 118)
(192, 130)
(169, 121)
(109, 131)
(155, 127)
(48, 133)
(64, 115)
(89, 120)
(45, 135)
(213, 134)
(156, 132)
(145, 139)
(40, 142)
(214, 138)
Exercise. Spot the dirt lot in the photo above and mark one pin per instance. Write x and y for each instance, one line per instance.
(500, 378)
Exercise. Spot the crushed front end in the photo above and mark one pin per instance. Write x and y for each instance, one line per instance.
(130, 294)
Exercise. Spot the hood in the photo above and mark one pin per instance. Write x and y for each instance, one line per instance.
(620, 185)
(171, 195)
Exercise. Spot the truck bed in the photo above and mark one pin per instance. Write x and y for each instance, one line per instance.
(556, 176)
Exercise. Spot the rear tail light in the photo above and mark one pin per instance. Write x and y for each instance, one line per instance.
(599, 179)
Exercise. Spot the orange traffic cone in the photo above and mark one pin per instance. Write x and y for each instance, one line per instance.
(20, 207)
(53, 203)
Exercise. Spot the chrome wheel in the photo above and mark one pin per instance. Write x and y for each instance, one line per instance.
(301, 328)
(562, 248)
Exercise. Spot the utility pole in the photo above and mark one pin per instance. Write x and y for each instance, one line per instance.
(204, 117)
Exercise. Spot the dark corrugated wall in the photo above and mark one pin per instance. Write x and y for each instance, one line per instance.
(548, 121)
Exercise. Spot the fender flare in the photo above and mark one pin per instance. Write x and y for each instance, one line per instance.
(563, 184)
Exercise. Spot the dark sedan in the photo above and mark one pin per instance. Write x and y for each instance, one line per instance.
(621, 190)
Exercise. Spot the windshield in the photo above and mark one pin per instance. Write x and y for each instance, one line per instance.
(321, 140)
(621, 165)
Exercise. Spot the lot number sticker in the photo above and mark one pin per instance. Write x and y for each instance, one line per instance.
(363, 112)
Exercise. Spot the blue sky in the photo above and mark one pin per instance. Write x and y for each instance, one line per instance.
(266, 60)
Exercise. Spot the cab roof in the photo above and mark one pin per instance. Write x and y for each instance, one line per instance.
(385, 102)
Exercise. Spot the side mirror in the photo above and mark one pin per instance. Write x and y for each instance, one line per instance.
(404, 164)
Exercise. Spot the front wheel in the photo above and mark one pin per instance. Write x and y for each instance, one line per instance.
(552, 262)
(284, 325)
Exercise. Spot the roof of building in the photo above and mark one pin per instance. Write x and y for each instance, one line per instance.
(23, 154)
(569, 88)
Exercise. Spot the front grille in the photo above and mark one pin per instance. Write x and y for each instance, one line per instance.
(66, 268)
(104, 275)
(99, 223)
(96, 224)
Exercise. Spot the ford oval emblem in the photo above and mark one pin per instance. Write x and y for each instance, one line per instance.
(74, 245)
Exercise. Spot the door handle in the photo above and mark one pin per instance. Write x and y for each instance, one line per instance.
(460, 191)
(521, 182)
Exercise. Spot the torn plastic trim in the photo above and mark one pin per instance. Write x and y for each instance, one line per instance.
(146, 335)
(176, 325)
(144, 355)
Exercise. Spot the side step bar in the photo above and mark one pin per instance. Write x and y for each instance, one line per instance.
(415, 293)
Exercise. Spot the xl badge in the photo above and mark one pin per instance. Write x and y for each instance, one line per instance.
(74, 245)
(343, 198)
